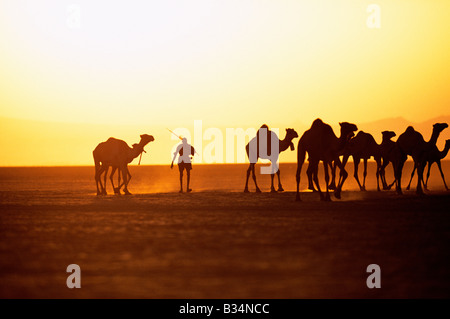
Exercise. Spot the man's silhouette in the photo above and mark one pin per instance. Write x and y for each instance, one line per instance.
(185, 151)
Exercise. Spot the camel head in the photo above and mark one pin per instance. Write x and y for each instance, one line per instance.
(145, 139)
(387, 135)
(447, 143)
(139, 148)
(290, 135)
(439, 127)
(348, 129)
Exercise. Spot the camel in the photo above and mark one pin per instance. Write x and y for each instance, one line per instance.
(363, 146)
(271, 150)
(390, 153)
(114, 168)
(412, 143)
(321, 144)
(434, 156)
(117, 154)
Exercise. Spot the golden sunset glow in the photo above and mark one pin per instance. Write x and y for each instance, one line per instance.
(124, 68)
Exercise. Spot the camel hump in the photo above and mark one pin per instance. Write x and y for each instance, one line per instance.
(410, 140)
(366, 136)
(319, 126)
(114, 141)
(327, 129)
(388, 134)
(317, 123)
(318, 130)
(412, 133)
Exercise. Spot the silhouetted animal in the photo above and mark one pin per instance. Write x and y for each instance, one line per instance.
(390, 153)
(117, 154)
(269, 147)
(363, 146)
(321, 144)
(433, 156)
(412, 143)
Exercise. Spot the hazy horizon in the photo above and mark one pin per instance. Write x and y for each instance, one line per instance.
(71, 144)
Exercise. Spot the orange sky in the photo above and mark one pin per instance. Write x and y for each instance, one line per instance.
(123, 68)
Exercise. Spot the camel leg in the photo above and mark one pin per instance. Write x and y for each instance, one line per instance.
(343, 176)
(388, 187)
(272, 188)
(383, 174)
(412, 175)
(105, 171)
(105, 176)
(355, 173)
(327, 180)
(248, 175)
(442, 174)
(398, 174)
(332, 184)
(364, 174)
(122, 183)
(118, 181)
(126, 179)
(103, 185)
(98, 179)
(425, 182)
(125, 182)
(342, 164)
(111, 177)
(378, 160)
(254, 177)
(309, 173)
(316, 178)
(420, 169)
(280, 188)
(391, 184)
(129, 176)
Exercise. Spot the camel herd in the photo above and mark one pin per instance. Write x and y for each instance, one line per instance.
(320, 143)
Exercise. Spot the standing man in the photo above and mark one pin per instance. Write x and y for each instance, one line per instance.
(185, 151)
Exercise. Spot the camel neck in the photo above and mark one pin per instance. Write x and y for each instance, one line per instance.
(342, 141)
(444, 152)
(284, 144)
(135, 152)
(434, 137)
(386, 140)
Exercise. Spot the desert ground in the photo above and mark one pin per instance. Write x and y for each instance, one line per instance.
(216, 243)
